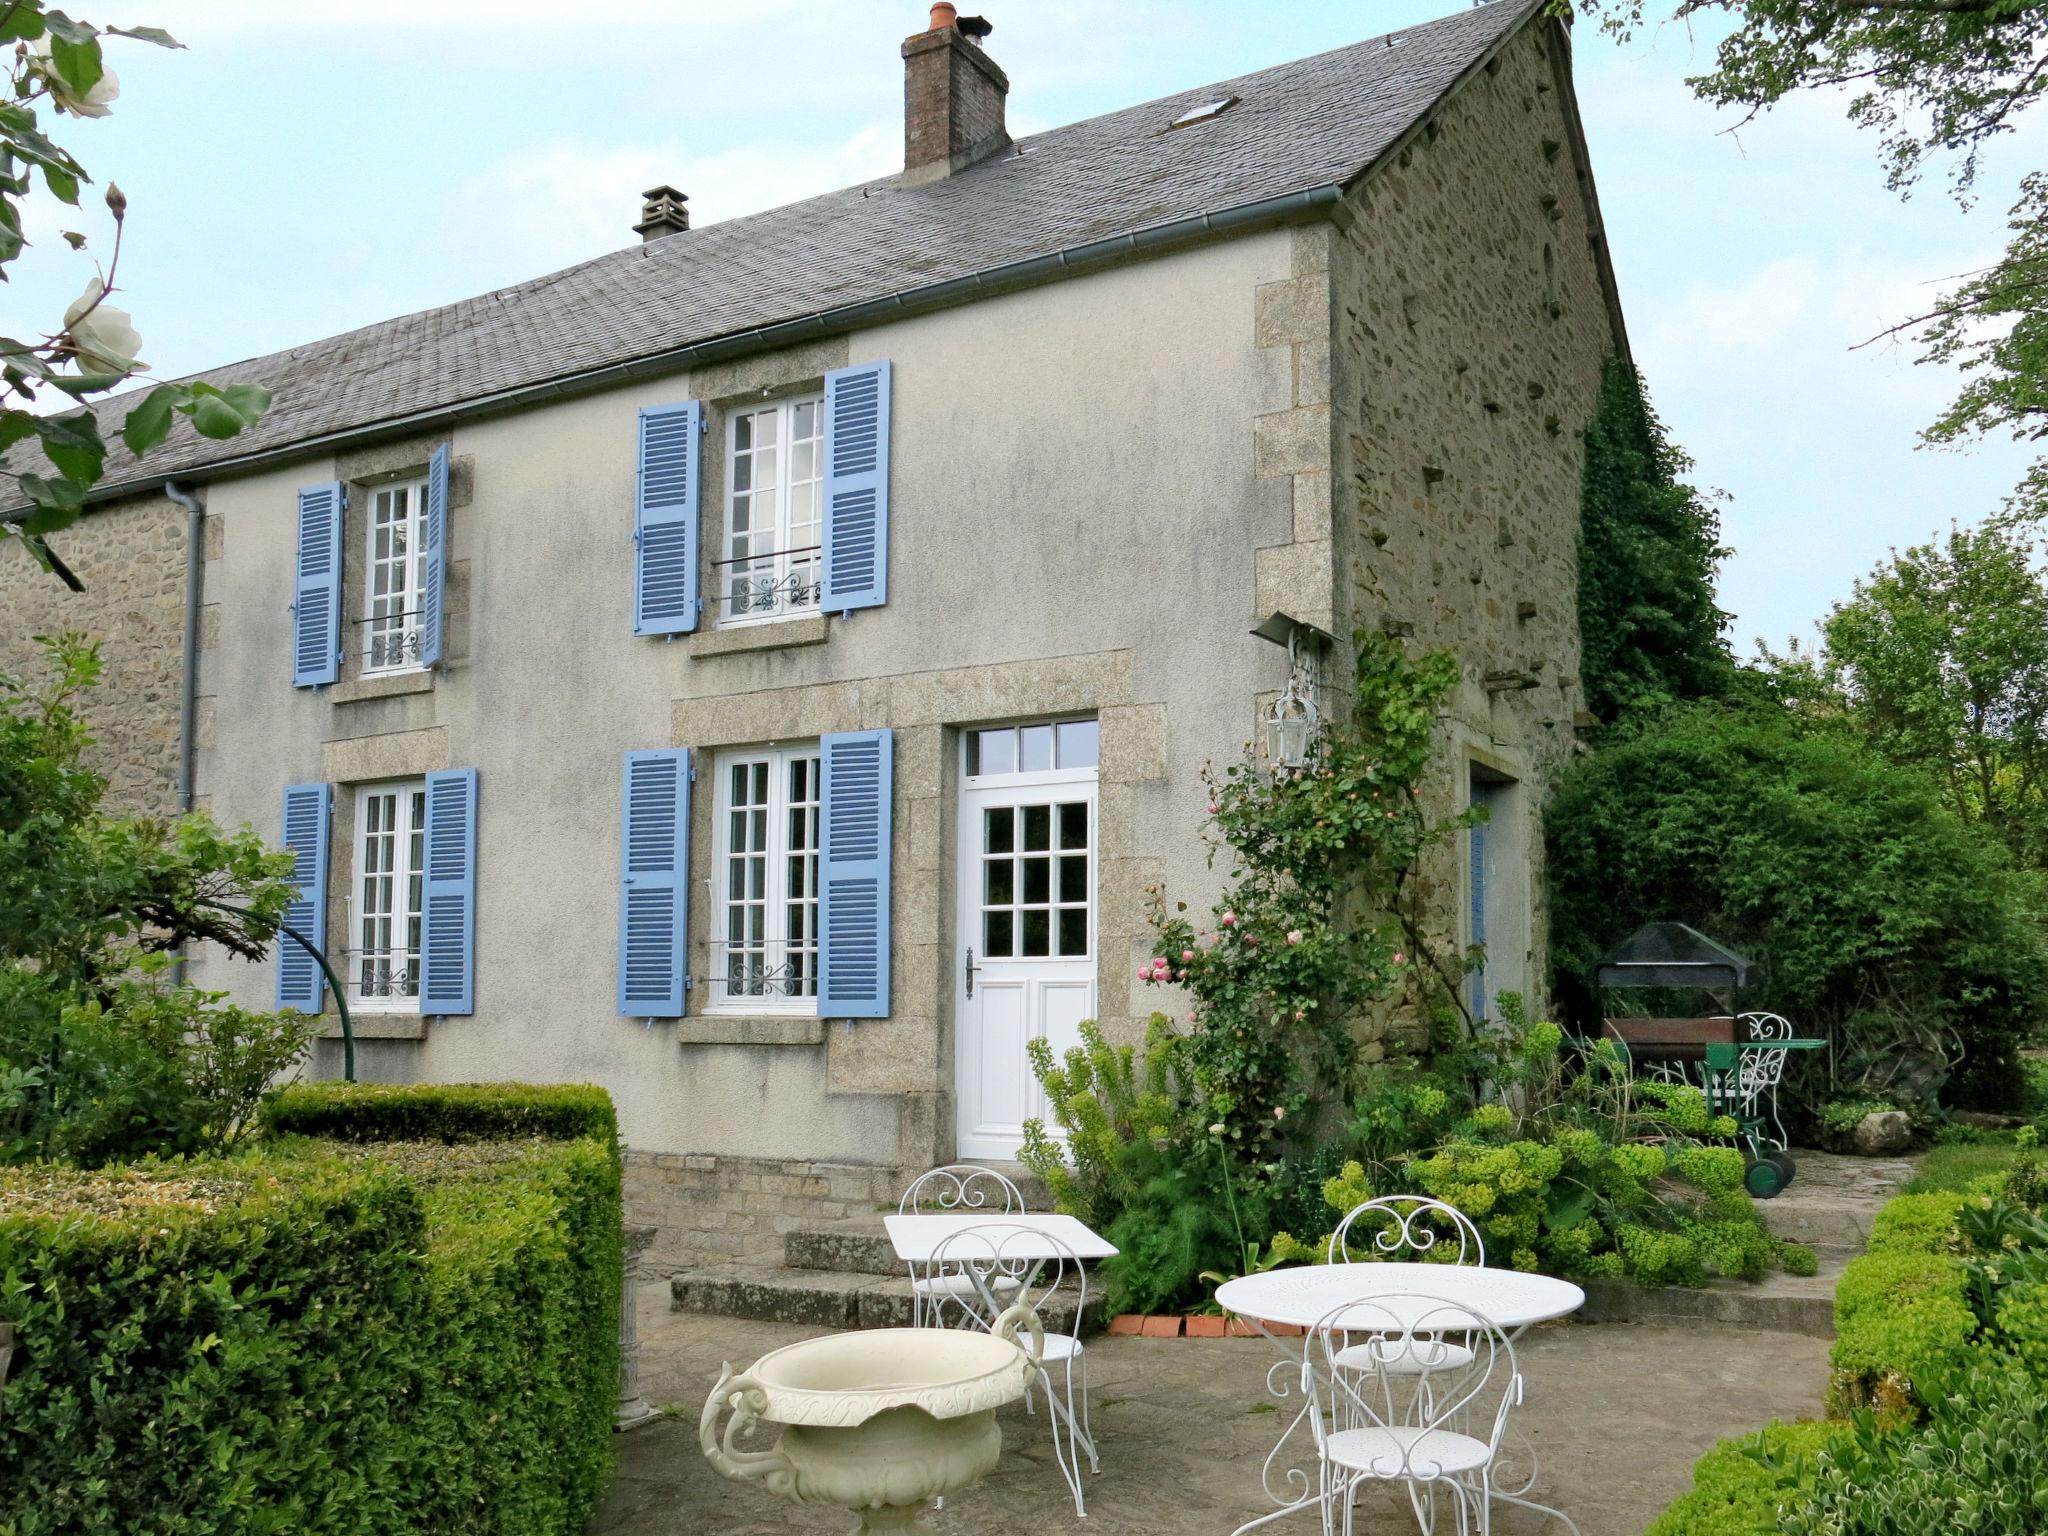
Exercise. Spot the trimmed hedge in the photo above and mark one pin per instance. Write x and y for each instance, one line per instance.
(1901, 1313)
(1734, 1494)
(449, 1112)
(336, 1337)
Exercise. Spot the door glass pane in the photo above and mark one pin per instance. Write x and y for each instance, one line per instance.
(1074, 825)
(1037, 748)
(1073, 930)
(1037, 828)
(1074, 878)
(999, 830)
(1079, 743)
(1037, 880)
(1037, 932)
(995, 935)
(999, 884)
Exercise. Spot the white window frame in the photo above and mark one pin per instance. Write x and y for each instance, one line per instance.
(369, 992)
(789, 580)
(775, 935)
(404, 656)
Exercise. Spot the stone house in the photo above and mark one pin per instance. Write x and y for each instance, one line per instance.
(761, 670)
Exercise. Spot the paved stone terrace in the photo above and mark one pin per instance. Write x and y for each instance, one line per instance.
(1618, 1412)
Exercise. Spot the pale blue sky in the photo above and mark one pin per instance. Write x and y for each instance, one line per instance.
(308, 166)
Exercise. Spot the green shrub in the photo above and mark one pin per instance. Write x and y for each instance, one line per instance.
(1915, 1223)
(1979, 1464)
(448, 1112)
(1846, 877)
(1902, 1320)
(1733, 1492)
(341, 1338)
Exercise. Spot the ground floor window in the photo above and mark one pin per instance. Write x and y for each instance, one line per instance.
(390, 858)
(765, 882)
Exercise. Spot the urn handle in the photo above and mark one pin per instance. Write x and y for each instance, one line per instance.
(748, 1400)
(1022, 1316)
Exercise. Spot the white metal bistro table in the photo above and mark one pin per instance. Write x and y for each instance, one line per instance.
(1511, 1299)
(916, 1237)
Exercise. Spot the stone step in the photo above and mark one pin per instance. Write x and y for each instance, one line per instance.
(1780, 1303)
(773, 1293)
(856, 1246)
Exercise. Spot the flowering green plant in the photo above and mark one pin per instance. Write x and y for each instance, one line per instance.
(1312, 929)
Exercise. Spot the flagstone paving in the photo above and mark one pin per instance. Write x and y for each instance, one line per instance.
(1618, 1413)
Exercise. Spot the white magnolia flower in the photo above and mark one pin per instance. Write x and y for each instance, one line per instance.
(103, 338)
(97, 102)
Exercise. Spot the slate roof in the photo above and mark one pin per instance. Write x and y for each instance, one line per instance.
(1307, 124)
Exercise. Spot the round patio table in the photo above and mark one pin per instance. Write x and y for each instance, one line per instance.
(1510, 1299)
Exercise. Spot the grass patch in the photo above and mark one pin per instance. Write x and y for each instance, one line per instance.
(1952, 1169)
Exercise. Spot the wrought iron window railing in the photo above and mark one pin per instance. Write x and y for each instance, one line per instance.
(391, 641)
(768, 970)
(761, 586)
(379, 977)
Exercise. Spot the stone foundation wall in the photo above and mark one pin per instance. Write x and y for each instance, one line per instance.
(131, 557)
(711, 1210)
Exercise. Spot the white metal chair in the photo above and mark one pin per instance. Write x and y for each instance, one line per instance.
(1394, 1227)
(1010, 1267)
(956, 1189)
(1759, 1072)
(1428, 1450)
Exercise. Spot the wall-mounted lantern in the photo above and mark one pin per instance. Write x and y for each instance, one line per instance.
(1293, 725)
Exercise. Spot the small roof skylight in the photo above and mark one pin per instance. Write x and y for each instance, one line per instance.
(1204, 112)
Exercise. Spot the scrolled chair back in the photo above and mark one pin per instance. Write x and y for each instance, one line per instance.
(1393, 1227)
(1021, 1268)
(961, 1187)
(1415, 1367)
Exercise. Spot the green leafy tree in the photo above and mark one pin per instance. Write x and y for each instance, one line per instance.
(103, 1053)
(58, 66)
(1933, 79)
(1940, 660)
(1649, 546)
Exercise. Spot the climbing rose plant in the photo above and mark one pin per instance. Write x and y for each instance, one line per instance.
(1314, 928)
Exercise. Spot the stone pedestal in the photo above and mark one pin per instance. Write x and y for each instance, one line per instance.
(633, 1409)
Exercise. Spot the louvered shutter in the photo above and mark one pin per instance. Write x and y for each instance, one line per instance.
(316, 595)
(434, 558)
(853, 876)
(306, 816)
(1477, 880)
(448, 895)
(665, 519)
(654, 894)
(856, 487)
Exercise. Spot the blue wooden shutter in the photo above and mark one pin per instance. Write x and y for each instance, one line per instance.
(1478, 884)
(316, 596)
(434, 558)
(448, 896)
(856, 487)
(665, 519)
(654, 894)
(853, 876)
(299, 983)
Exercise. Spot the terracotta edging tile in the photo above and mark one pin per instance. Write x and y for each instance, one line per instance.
(1126, 1323)
(1161, 1328)
(1204, 1327)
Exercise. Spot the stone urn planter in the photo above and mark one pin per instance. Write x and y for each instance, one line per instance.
(880, 1422)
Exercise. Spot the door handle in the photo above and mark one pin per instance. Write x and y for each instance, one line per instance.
(971, 969)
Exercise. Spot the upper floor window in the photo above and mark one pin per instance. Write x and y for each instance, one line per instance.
(764, 882)
(774, 532)
(390, 863)
(394, 578)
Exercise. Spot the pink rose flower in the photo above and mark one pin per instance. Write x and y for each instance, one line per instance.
(1399, 958)
(1214, 807)
(1229, 919)
(1294, 935)
(1187, 954)
(1144, 973)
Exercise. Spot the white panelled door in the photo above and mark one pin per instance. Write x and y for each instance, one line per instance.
(1025, 967)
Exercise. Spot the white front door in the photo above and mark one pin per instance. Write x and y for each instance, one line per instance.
(1025, 968)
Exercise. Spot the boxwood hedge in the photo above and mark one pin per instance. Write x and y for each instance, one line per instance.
(351, 1335)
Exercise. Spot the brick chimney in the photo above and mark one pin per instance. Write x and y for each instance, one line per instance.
(662, 213)
(953, 97)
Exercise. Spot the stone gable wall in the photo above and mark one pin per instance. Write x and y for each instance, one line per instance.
(1468, 324)
(131, 557)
